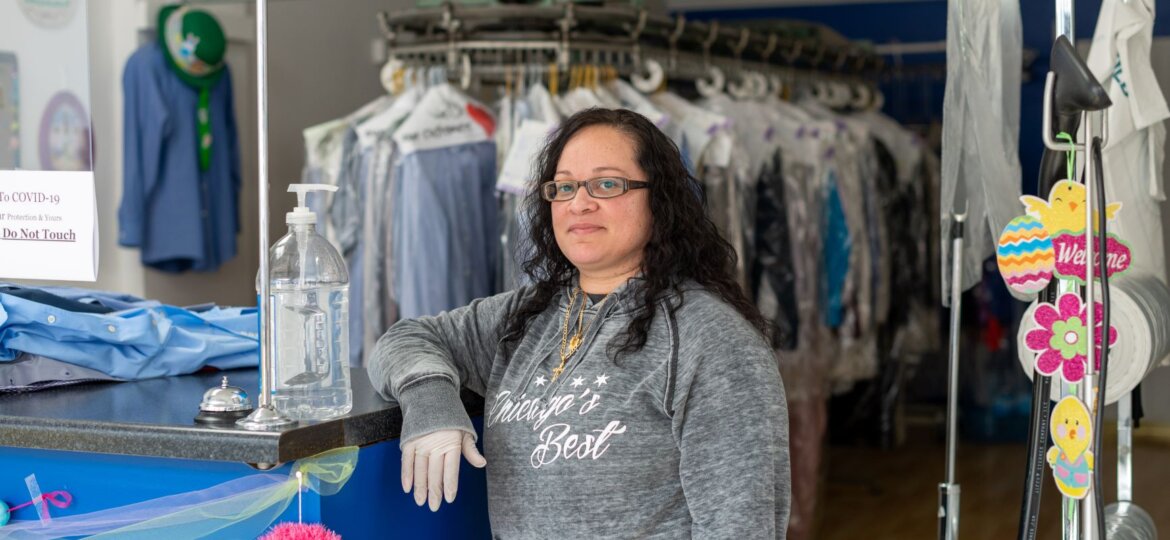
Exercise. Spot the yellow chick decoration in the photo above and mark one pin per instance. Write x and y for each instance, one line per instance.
(1064, 211)
(1071, 459)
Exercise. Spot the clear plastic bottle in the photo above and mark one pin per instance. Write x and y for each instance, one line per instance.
(309, 286)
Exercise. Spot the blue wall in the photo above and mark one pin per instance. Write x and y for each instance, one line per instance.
(912, 101)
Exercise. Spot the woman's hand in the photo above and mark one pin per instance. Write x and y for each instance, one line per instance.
(430, 463)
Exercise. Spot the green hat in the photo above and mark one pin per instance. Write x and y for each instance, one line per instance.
(194, 44)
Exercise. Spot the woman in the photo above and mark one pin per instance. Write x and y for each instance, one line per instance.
(629, 391)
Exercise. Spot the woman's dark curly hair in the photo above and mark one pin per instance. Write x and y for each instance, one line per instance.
(684, 245)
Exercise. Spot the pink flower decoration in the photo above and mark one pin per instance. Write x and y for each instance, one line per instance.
(300, 531)
(1060, 337)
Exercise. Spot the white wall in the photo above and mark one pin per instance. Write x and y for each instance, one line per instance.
(111, 41)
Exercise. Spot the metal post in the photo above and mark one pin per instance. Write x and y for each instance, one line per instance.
(1088, 396)
(265, 417)
(1065, 16)
(948, 511)
(1125, 448)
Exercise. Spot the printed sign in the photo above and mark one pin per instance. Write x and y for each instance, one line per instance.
(445, 117)
(1070, 256)
(48, 225)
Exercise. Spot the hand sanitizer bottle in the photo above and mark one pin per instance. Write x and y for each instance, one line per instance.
(309, 284)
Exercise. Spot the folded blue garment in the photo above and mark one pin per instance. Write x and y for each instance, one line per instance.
(142, 340)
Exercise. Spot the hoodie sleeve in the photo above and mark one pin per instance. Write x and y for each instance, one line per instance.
(731, 424)
(422, 363)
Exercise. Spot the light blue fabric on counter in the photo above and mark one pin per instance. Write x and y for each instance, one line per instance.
(144, 341)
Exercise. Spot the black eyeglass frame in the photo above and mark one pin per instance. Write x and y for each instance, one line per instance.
(626, 184)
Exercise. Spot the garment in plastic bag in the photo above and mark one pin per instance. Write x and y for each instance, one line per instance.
(773, 276)
(981, 122)
(835, 253)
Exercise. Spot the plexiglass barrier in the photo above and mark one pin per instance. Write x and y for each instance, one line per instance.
(48, 227)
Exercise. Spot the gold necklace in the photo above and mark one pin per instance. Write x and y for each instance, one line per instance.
(569, 345)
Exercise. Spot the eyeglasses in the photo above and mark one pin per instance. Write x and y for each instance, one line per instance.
(598, 188)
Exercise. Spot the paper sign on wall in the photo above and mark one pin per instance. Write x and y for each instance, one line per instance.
(48, 225)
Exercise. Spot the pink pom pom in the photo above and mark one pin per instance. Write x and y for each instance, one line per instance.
(300, 531)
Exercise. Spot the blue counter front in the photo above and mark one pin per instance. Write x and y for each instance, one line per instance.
(115, 444)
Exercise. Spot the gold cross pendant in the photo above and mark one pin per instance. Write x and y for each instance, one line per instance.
(557, 372)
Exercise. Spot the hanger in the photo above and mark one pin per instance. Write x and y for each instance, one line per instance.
(650, 79)
(713, 86)
(862, 96)
(552, 79)
(878, 100)
(392, 76)
(760, 85)
(742, 89)
(776, 86)
(842, 94)
(465, 72)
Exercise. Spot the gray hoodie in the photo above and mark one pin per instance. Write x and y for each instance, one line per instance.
(686, 438)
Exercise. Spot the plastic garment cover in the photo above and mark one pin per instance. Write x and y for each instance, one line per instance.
(773, 275)
(852, 193)
(323, 155)
(835, 255)
(877, 238)
(728, 201)
(345, 210)
(886, 193)
(240, 508)
(981, 122)
(905, 223)
(902, 186)
(805, 369)
(379, 308)
(516, 247)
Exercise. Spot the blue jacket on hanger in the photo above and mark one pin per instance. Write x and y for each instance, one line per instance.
(182, 218)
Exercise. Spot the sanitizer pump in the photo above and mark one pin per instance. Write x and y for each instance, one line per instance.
(309, 287)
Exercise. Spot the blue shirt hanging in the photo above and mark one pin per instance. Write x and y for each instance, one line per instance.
(182, 218)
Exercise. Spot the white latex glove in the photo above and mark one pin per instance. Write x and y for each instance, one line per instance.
(430, 463)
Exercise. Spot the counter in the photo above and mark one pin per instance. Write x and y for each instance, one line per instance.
(114, 444)
(155, 418)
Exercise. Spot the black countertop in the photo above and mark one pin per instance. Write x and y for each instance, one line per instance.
(156, 418)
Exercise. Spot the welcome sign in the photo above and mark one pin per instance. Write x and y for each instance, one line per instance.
(1070, 256)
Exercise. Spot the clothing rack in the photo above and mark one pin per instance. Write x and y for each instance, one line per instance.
(484, 41)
